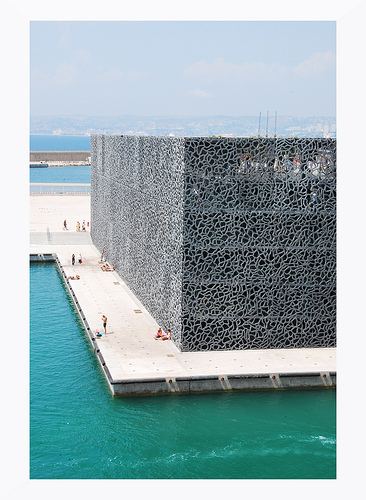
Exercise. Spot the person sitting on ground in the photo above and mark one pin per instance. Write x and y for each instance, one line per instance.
(159, 334)
(168, 336)
(98, 334)
(77, 277)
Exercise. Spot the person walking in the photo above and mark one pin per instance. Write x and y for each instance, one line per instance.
(73, 259)
(65, 225)
(104, 319)
(80, 259)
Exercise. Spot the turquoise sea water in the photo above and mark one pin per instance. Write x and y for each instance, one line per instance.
(60, 175)
(59, 143)
(79, 431)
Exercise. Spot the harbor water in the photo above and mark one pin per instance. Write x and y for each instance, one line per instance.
(61, 175)
(79, 431)
(59, 143)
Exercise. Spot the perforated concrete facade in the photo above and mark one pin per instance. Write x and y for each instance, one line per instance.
(230, 243)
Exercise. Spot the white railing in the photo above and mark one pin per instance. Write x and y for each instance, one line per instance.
(53, 188)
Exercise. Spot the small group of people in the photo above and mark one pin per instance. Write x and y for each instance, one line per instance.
(105, 266)
(80, 259)
(78, 227)
(83, 227)
(77, 277)
(160, 335)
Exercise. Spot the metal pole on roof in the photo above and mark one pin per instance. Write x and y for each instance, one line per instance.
(275, 124)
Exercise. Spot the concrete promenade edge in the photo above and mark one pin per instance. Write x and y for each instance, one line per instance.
(132, 361)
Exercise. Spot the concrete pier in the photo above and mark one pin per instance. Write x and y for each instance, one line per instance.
(58, 158)
(132, 361)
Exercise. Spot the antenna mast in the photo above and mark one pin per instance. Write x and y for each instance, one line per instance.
(275, 124)
(259, 124)
(267, 125)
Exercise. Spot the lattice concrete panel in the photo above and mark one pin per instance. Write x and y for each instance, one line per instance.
(230, 243)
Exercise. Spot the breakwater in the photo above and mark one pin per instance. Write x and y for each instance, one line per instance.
(60, 158)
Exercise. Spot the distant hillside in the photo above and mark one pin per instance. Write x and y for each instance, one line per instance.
(285, 126)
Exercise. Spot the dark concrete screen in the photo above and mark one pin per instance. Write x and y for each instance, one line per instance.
(230, 243)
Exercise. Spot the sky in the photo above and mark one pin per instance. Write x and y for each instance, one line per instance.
(182, 68)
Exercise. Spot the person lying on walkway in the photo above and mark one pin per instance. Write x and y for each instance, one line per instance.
(159, 334)
(107, 268)
(77, 277)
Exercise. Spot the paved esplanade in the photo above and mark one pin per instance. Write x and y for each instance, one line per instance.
(131, 354)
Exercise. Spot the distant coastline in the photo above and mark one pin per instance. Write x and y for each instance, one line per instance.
(240, 126)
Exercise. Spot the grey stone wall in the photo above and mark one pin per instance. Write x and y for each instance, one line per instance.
(231, 243)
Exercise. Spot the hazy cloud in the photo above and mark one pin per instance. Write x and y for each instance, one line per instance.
(135, 76)
(221, 70)
(65, 74)
(68, 71)
(64, 34)
(201, 94)
(82, 57)
(115, 74)
(110, 75)
(40, 79)
(318, 63)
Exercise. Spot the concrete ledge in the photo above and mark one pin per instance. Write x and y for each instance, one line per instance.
(260, 381)
(42, 257)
